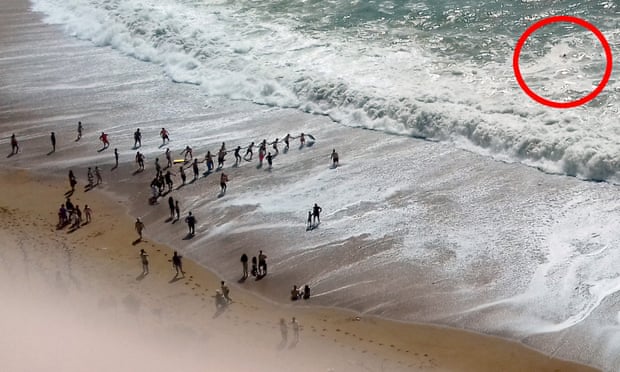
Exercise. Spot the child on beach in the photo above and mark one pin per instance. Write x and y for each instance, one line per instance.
(225, 292)
(244, 263)
(334, 157)
(188, 153)
(254, 268)
(90, 177)
(182, 173)
(98, 175)
(269, 160)
(223, 180)
(79, 131)
(302, 140)
(309, 223)
(171, 206)
(262, 263)
(177, 210)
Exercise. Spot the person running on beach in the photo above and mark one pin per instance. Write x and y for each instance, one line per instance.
(88, 213)
(286, 141)
(244, 263)
(249, 152)
(316, 211)
(182, 173)
(191, 223)
(168, 158)
(275, 146)
(302, 140)
(104, 138)
(139, 225)
(164, 136)
(269, 160)
(98, 175)
(171, 206)
(14, 145)
(177, 264)
(237, 156)
(254, 267)
(334, 157)
(225, 292)
(72, 180)
(116, 157)
(223, 180)
(168, 179)
(177, 209)
(137, 139)
(188, 153)
(79, 130)
(262, 263)
(53, 140)
(195, 168)
(145, 261)
(91, 178)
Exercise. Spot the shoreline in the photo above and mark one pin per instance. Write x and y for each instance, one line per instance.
(371, 340)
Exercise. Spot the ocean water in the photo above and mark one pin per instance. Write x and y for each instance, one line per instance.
(413, 229)
(440, 70)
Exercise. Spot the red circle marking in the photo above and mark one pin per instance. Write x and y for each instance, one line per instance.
(543, 22)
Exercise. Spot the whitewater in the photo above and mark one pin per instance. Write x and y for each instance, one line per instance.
(471, 223)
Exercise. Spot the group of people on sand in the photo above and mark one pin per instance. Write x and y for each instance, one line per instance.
(70, 214)
(259, 265)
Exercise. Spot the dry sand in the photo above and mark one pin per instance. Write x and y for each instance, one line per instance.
(77, 298)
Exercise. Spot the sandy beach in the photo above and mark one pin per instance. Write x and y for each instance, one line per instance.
(85, 287)
(432, 235)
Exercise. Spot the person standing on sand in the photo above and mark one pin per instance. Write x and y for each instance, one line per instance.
(209, 161)
(220, 158)
(168, 179)
(262, 263)
(191, 223)
(316, 213)
(79, 130)
(182, 173)
(145, 261)
(244, 263)
(137, 139)
(78, 216)
(53, 140)
(254, 267)
(168, 158)
(177, 264)
(88, 213)
(195, 168)
(14, 145)
(225, 292)
(177, 209)
(171, 206)
(91, 178)
(139, 225)
(334, 157)
(72, 180)
(116, 158)
(283, 331)
(237, 156)
(302, 140)
(309, 220)
(157, 167)
(295, 327)
(98, 175)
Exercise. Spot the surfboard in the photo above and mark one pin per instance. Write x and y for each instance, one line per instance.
(176, 161)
